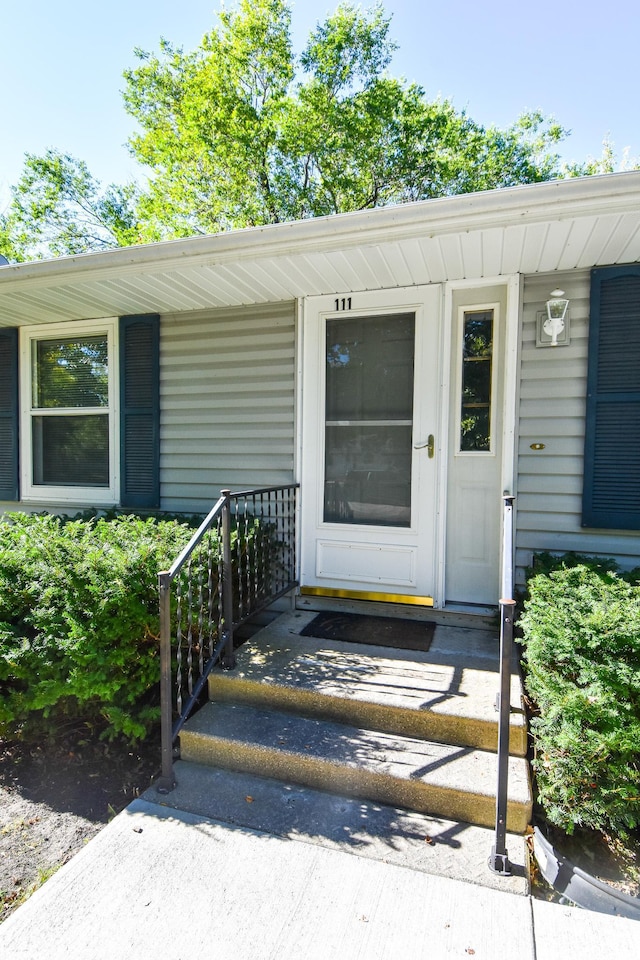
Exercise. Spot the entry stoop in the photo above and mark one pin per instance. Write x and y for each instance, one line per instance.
(411, 729)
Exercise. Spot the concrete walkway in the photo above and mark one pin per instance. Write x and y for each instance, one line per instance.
(161, 883)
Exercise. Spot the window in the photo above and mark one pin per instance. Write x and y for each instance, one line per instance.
(476, 380)
(69, 424)
(79, 419)
(611, 496)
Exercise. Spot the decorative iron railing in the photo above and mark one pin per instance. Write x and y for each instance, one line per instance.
(240, 560)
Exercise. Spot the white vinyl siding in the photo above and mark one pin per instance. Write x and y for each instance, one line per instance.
(227, 400)
(552, 412)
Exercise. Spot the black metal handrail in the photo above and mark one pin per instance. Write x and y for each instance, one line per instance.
(499, 858)
(240, 560)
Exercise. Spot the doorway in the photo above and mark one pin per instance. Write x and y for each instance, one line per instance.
(370, 412)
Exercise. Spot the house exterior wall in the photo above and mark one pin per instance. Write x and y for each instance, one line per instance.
(227, 400)
(227, 384)
(553, 384)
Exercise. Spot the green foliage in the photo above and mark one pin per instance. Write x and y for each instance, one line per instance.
(79, 620)
(240, 132)
(581, 636)
(58, 208)
(607, 162)
(235, 135)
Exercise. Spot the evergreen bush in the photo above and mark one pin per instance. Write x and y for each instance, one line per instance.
(79, 621)
(581, 638)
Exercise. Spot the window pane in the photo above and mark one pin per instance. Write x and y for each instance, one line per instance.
(476, 382)
(478, 334)
(71, 450)
(71, 372)
(475, 413)
(368, 475)
(474, 429)
(369, 412)
(370, 368)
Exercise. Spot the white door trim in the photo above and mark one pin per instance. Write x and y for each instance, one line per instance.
(426, 302)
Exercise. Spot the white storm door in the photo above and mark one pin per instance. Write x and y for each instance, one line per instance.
(369, 464)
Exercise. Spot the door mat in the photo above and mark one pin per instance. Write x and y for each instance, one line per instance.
(379, 631)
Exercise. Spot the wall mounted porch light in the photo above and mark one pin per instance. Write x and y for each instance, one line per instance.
(553, 322)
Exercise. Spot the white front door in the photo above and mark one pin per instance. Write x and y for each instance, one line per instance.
(371, 375)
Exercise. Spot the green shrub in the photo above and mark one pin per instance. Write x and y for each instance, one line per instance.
(79, 620)
(581, 638)
(547, 563)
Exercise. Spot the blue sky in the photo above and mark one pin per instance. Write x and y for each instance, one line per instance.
(63, 62)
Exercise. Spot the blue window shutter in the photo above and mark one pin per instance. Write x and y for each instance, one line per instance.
(611, 496)
(140, 411)
(9, 413)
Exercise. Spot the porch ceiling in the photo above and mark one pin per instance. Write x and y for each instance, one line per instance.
(562, 225)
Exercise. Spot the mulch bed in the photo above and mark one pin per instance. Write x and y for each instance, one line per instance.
(55, 796)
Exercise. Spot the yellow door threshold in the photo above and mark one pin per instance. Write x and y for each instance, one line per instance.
(366, 595)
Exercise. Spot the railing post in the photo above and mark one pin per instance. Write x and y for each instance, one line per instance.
(499, 859)
(166, 781)
(228, 658)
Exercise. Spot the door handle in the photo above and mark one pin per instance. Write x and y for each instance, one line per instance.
(430, 444)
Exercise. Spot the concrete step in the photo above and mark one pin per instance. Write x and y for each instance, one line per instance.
(446, 695)
(433, 845)
(456, 615)
(436, 778)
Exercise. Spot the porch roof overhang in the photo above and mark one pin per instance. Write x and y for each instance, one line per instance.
(541, 228)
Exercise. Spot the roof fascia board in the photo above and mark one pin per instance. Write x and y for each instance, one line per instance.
(551, 201)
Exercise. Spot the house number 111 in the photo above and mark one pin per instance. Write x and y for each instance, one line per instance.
(343, 303)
